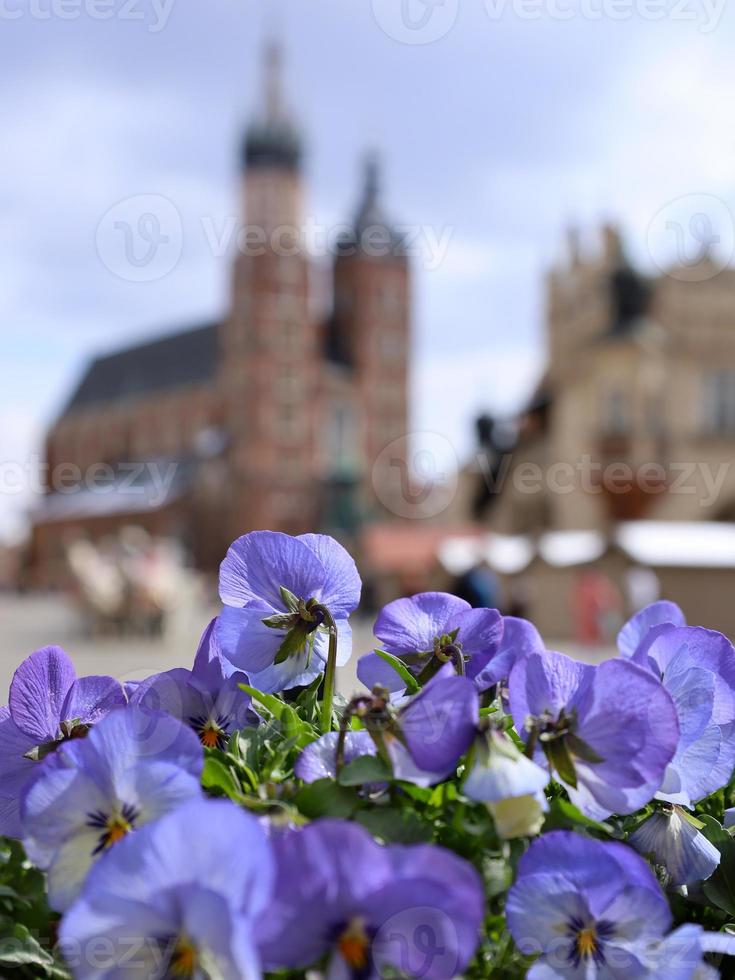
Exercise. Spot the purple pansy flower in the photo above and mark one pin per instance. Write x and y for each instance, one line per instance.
(179, 898)
(48, 704)
(672, 838)
(697, 668)
(133, 767)
(319, 760)
(207, 698)
(280, 593)
(428, 630)
(415, 910)
(594, 909)
(608, 732)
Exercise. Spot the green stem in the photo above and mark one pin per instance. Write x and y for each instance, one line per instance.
(329, 678)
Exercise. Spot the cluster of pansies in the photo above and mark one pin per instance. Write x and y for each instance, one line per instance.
(485, 807)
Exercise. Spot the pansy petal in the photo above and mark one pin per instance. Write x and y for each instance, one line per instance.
(38, 692)
(245, 641)
(440, 722)
(170, 691)
(519, 638)
(319, 760)
(259, 564)
(70, 866)
(538, 910)
(675, 843)
(225, 942)
(91, 698)
(545, 682)
(480, 631)
(15, 769)
(411, 625)
(341, 589)
(373, 671)
(634, 632)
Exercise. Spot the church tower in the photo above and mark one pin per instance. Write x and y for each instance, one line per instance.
(370, 334)
(270, 354)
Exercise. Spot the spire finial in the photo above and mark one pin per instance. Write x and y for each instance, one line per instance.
(372, 175)
(273, 64)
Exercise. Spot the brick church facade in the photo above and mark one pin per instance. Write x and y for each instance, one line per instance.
(272, 418)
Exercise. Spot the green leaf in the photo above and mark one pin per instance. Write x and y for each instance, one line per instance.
(325, 798)
(558, 755)
(269, 701)
(564, 815)
(293, 642)
(216, 775)
(720, 888)
(412, 685)
(365, 769)
(582, 750)
(20, 948)
(290, 601)
(714, 831)
(394, 826)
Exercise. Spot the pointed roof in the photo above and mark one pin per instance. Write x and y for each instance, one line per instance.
(370, 224)
(273, 139)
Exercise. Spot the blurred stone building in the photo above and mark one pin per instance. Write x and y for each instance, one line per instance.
(635, 415)
(273, 418)
(618, 485)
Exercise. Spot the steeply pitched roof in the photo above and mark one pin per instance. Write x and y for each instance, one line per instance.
(180, 359)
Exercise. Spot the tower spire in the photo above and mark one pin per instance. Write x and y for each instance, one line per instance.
(272, 140)
(273, 75)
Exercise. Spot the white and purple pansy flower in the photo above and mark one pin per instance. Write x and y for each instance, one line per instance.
(371, 910)
(593, 909)
(48, 705)
(170, 901)
(607, 732)
(697, 668)
(133, 767)
(281, 595)
(509, 784)
(672, 838)
(207, 698)
(428, 630)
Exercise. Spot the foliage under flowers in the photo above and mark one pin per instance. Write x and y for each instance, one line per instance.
(484, 808)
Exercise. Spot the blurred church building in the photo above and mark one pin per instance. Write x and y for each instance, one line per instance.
(272, 418)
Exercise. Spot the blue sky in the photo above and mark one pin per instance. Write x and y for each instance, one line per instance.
(519, 117)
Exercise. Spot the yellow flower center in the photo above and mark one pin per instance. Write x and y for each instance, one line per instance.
(117, 828)
(354, 944)
(210, 735)
(184, 960)
(586, 943)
